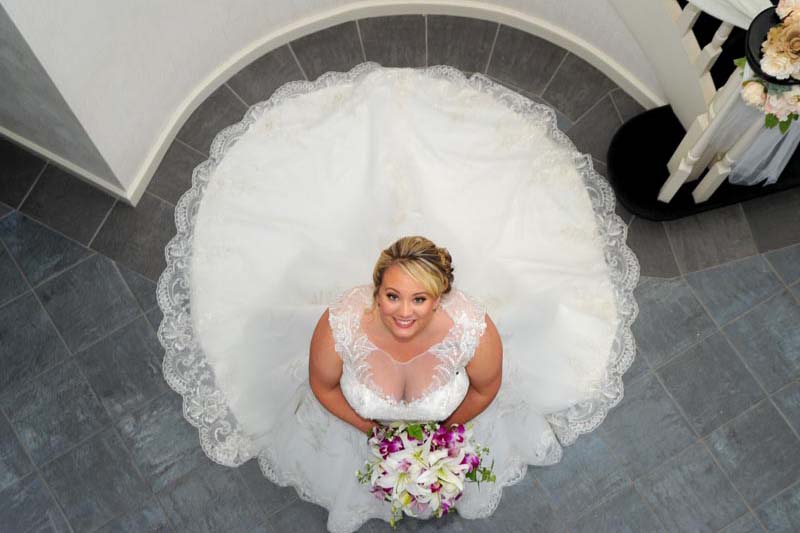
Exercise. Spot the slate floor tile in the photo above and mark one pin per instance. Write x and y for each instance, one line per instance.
(142, 288)
(576, 87)
(624, 511)
(258, 80)
(625, 104)
(645, 429)
(782, 513)
(670, 319)
(788, 401)
(460, 42)
(54, 412)
(523, 507)
(786, 263)
(124, 369)
(136, 237)
(164, 446)
(730, 290)
(524, 60)
(12, 284)
(758, 451)
(638, 368)
(333, 49)
(4, 209)
(30, 343)
(711, 238)
(745, 524)
(95, 482)
(67, 204)
(212, 498)
(775, 219)
(88, 302)
(592, 134)
(268, 496)
(302, 516)
(155, 317)
(27, 506)
(14, 464)
(150, 517)
(648, 240)
(710, 384)
(587, 472)
(768, 339)
(17, 173)
(39, 251)
(690, 493)
(394, 41)
(220, 110)
(173, 177)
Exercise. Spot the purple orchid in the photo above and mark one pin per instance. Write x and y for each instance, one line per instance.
(472, 460)
(390, 446)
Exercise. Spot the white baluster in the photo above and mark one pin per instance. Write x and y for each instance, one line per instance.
(722, 168)
(702, 121)
(708, 56)
(687, 18)
(691, 163)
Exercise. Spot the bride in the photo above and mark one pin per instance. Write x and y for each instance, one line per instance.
(282, 225)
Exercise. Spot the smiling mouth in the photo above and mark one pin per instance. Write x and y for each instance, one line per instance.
(404, 324)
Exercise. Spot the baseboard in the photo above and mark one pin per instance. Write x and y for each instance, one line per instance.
(357, 10)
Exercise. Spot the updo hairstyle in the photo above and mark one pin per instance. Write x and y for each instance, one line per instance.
(426, 263)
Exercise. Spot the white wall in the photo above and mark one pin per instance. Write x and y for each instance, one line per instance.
(33, 111)
(132, 72)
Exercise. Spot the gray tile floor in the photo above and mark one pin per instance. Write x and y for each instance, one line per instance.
(92, 439)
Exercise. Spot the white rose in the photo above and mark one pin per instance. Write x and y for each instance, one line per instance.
(776, 65)
(786, 6)
(778, 106)
(753, 94)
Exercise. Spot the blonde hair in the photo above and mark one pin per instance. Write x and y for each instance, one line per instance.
(426, 263)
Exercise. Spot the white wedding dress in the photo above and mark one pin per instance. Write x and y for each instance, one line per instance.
(289, 215)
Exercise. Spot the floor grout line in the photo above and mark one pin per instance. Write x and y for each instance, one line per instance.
(102, 223)
(190, 147)
(296, 60)
(246, 105)
(555, 73)
(361, 41)
(425, 18)
(614, 103)
(33, 185)
(491, 50)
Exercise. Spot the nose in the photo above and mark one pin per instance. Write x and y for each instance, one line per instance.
(405, 308)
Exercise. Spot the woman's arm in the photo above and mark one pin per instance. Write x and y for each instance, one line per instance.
(324, 373)
(485, 372)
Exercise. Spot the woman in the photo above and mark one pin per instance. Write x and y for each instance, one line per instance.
(406, 319)
(288, 213)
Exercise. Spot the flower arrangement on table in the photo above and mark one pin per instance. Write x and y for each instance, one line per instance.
(421, 469)
(781, 60)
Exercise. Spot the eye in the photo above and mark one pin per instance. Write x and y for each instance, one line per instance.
(391, 297)
(420, 299)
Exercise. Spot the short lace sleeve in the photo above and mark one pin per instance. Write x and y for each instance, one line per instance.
(469, 315)
(344, 318)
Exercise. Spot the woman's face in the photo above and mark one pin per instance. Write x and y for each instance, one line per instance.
(404, 306)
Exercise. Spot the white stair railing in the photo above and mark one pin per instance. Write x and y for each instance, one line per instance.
(664, 32)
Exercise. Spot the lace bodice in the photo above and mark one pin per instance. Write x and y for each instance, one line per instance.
(427, 387)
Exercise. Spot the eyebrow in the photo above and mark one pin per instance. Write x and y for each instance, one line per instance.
(423, 293)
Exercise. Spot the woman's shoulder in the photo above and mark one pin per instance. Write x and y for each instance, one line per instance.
(353, 299)
(460, 304)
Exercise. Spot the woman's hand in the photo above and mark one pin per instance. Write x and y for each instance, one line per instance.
(485, 372)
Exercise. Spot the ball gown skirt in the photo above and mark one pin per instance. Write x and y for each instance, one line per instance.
(293, 207)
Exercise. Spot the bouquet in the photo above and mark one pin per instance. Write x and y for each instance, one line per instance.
(420, 469)
(781, 60)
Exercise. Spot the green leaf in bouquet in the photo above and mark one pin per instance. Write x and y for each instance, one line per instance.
(770, 120)
(415, 431)
(740, 63)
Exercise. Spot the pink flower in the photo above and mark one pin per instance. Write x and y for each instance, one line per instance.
(754, 94)
(786, 6)
(390, 446)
